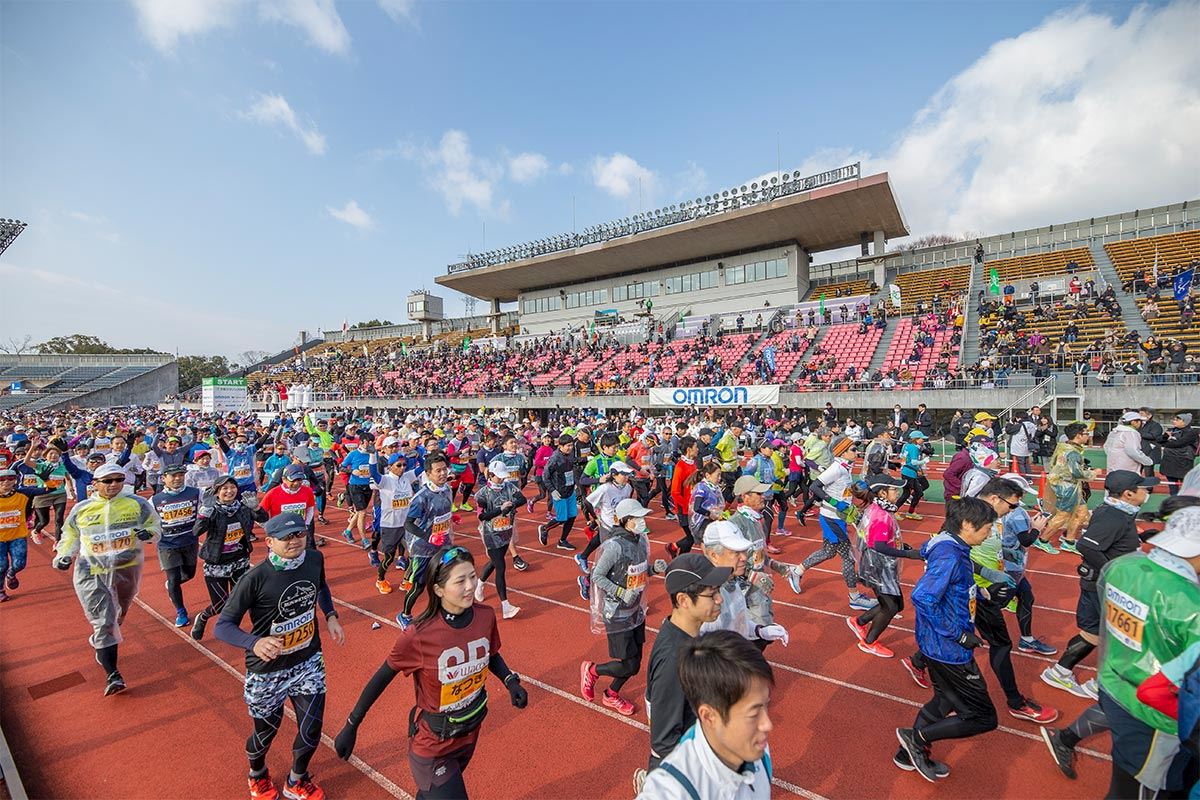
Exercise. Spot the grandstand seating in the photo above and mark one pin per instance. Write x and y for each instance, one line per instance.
(1041, 265)
(78, 376)
(848, 347)
(850, 288)
(1172, 249)
(785, 361)
(901, 347)
(916, 286)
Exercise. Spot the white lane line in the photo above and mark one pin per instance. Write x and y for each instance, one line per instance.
(366, 769)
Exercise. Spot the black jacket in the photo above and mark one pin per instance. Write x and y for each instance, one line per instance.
(213, 524)
(1179, 452)
(1152, 439)
(1110, 534)
(555, 474)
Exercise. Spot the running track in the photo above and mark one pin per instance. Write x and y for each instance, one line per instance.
(180, 729)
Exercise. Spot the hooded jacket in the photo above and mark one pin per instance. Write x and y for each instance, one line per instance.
(944, 599)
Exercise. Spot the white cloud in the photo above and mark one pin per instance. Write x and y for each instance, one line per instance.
(623, 178)
(527, 167)
(165, 22)
(457, 174)
(318, 19)
(691, 181)
(1078, 117)
(352, 214)
(100, 226)
(81, 216)
(565, 169)
(400, 10)
(273, 109)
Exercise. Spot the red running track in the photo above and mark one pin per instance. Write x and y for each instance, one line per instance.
(180, 729)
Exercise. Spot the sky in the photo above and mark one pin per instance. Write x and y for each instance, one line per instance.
(214, 176)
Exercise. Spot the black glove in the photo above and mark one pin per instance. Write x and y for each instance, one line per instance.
(520, 697)
(145, 536)
(969, 640)
(343, 745)
(62, 562)
(1002, 594)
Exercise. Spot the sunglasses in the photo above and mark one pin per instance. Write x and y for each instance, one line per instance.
(111, 480)
(296, 534)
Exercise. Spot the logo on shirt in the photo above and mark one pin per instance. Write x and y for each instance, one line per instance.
(297, 598)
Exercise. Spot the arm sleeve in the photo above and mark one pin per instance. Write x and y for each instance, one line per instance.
(230, 633)
(498, 668)
(887, 550)
(371, 692)
(324, 598)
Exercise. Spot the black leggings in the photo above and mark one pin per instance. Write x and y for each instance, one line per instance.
(881, 615)
(497, 563)
(594, 542)
(42, 515)
(665, 490)
(541, 493)
(990, 624)
(310, 712)
(219, 590)
(176, 577)
(914, 490)
(685, 543)
(418, 570)
(567, 525)
(1025, 607)
(619, 671)
(455, 788)
(465, 489)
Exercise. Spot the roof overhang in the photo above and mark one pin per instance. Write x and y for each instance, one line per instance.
(821, 219)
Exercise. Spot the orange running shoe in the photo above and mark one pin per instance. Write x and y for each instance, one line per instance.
(406, 585)
(304, 789)
(263, 789)
(384, 587)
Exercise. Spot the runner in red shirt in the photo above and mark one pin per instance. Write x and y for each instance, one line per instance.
(448, 649)
(293, 495)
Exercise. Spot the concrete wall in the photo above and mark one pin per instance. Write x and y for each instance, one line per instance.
(144, 390)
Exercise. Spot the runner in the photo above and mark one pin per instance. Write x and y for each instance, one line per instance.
(751, 523)
(741, 602)
(226, 524)
(356, 466)
(880, 552)
(293, 495)
(427, 528)
(177, 506)
(559, 476)
(202, 475)
(104, 535)
(498, 501)
(14, 525)
(283, 652)
(540, 458)
(1067, 477)
(684, 479)
(448, 649)
(396, 488)
(604, 499)
(912, 469)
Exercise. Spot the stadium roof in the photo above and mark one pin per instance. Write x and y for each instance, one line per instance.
(825, 218)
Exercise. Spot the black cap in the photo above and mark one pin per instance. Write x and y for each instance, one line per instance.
(284, 525)
(293, 472)
(174, 469)
(221, 481)
(705, 432)
(882, 480)
(1122, 480)
(691, 568)
(566, 438)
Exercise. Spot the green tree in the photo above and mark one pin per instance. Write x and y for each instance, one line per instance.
(372, 323)
(194, 369)
(86, 344)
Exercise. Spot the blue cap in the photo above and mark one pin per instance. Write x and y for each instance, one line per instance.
(284, 525)
(293, 472)
(394, 457)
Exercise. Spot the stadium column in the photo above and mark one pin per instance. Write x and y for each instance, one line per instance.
(802, 272)
(495, 316)
(880, 241)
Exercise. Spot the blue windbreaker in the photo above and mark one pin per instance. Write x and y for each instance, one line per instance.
(944, 599)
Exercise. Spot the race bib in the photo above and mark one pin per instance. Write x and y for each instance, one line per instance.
(293, 508)
(1125, 617)
(362, 472)
(635, 579)
(569, 477)
(462, 676)
(10, 519)
(53, 483)
(177, 513)
(233, 537)
(502, 523)
(29, 481)
(441, 524)
(241, 472)
(399, 503)
(973, 598)
(104, 542)
(296, 632)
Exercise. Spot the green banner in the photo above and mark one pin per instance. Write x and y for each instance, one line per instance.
(224, 382)
(994, 281)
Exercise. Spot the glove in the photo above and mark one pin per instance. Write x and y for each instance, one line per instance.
(841, 505)
(145, 536)
(627, 595)
(912, 552)
(516, 692)
(660, 567)
(773, 633)
(437, 539)
(555, 495)
(997, 576)
(1002, 593)
(969, 640)
(62, 562)
(343, 745)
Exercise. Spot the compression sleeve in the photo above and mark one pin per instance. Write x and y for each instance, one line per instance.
(230, 633)
(371, 692)
(498, 667)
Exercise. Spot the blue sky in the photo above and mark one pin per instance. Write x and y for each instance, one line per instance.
(216, 176)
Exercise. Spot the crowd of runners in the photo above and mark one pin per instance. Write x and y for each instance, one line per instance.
(242, 500)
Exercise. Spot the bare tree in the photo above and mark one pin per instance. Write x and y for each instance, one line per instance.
(249, 357)
(16, 346)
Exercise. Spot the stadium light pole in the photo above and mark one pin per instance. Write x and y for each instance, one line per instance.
(10, 229)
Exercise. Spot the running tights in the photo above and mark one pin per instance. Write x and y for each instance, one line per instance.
(542, 493)
(387, 557)
(497, 563)
(219, 590)
(688, 540)
(567, 525)
(881, 615)
(1025, 607)
(1076, 650)
(310, 711)
(106, 657)
(416, 573)
(780, 500)
(42, 515)
(913, 492)
(828, 550)
(176, 577)
(619, 671)
(465, 489)
(1092, 722)
(592, 545)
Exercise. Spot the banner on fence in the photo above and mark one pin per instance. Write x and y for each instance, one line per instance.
(715, 396)
(221, 395)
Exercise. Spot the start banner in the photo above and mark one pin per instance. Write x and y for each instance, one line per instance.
(682, 396)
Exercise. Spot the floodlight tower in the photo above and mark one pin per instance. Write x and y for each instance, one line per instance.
(10, 229)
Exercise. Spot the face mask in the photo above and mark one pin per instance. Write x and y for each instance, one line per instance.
(640, 526)
(281, 563)
(240, 447)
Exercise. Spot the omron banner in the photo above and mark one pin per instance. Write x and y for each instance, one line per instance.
(715, 396)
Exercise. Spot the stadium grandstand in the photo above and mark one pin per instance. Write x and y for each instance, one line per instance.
(723, 291)
(37, 382)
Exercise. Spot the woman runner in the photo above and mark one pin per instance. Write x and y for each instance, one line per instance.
(498, 501)
(225, 524)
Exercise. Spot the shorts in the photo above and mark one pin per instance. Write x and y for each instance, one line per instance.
(628, 645)
(266, 692)
(431, 771)
(170, 558)
(390, 539)
(565, 509)
(1087, 611)
(1149, 755)
(360, 496)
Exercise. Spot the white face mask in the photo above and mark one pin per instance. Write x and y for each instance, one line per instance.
(640, 526)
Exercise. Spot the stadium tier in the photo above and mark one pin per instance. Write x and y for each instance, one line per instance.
(36, 382)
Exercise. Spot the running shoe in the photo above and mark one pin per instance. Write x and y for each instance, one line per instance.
(181, 617)
(543, 535)
(479, 587)
(860, 602)
(1067, 683)
(198, 626)
(36, 536)
(4, 597)
(383, 587)
(404, 620)
(321, 519)
(520, 564)
(587, 680)
(585, 587)
(115, 684)
(303, 789)
(454, 508)
(783, 531)
(348, 535)
(508, 610)
(905, 763)
(373, 557)
(11, 582)
(793, 578)
(672, 550)
(919, 676)
(617, 703)
(639, 780)
(1067, 546)
(563, 544)
(401, 563)
(914, 516)
(669, 518)
(1063, 756)
(263, 788)
(917, 753)
(405, 585)
(466, 507)
(876, 649)
(1046, 547)
(860, 631)
(774, 550)
(1091, 688)
(1035, 713)
(341, 499)
(366, 543)
(800, 515)
(582, 563)
(1035, 645)
(529, 507)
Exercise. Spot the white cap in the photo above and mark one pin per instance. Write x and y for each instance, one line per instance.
(1181, 536)
(108, 469)
(1019, 480)
(1130, 416)
(725, 533)
(389, 441)
(621, 466)
(630, 508)
(499, 469)
(797, 437)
